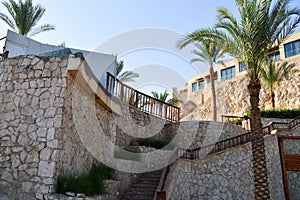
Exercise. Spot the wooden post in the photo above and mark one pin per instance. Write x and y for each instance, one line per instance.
(136, 99)
(122, 92)
(165, 111)
(107, 81)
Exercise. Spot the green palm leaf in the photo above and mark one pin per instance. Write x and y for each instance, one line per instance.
(24, 17)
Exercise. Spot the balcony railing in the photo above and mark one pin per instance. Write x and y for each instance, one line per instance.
(140, 100)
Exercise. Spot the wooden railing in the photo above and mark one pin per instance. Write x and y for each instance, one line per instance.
(140, 100)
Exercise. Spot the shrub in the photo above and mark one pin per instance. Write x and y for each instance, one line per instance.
(155, 143)
(74, 183)
(279, 113)
(237, 121)
(89, 184)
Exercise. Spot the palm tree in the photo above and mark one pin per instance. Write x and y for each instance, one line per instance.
(127, 76)
(163, 97)
(24, 17)
(262, 23)
(160, 96)
(273, 74)
(209, 52)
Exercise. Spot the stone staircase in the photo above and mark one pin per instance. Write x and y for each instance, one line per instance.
(144, 188)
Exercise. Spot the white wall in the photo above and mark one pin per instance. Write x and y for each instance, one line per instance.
(20, 45)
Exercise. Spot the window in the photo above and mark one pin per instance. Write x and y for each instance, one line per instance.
(242, 66)
(292, 48)
(228, 73)
(274, 56)
(201, 85)
(194, 87)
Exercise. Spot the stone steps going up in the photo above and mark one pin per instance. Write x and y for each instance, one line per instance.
(145, 188)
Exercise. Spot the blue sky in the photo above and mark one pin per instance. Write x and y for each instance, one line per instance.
(88, 24)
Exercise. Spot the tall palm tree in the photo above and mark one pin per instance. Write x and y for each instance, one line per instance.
(261, 24)
(24, 17)
(127, 76)
(209, 52)
(273, 74)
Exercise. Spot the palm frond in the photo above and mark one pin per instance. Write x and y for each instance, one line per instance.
(7, 20)
(128, 76)
(24, 16)
(42, 28)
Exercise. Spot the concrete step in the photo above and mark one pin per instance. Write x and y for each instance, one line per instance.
(145, 188)
(145, 185)
(137, 198)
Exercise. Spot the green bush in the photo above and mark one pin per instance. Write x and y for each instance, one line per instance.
(279, 113)
(155, 143)
(89, 184)
(237, 121)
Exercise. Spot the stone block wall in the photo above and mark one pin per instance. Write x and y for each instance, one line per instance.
(203, 133)
(31, 114)
(294, 132)
(294, 184)
(274, 167)
(225, 175)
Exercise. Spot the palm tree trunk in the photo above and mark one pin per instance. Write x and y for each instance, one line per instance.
(273, 99)
(261, 186)
(213, 91)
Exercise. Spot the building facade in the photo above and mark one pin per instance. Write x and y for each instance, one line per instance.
(233, 74)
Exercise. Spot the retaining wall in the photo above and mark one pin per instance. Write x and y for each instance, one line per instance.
(225, 175)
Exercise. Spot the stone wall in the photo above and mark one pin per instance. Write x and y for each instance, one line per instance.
(199, 133)
(32, 99)
(225, 175)
(265, 121)
(233, 98)
(274, 167)
(38, 135)
(294, 184)
(294, 132)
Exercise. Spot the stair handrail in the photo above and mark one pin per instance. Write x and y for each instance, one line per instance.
(159, 193)
(237, 140)
(142, 101)
(285, 125)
